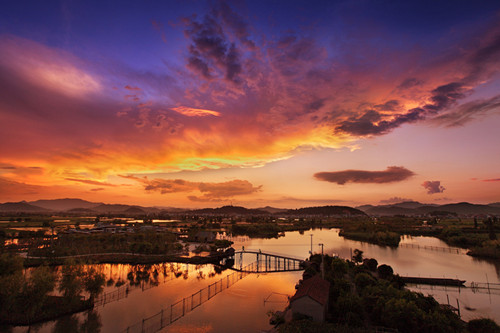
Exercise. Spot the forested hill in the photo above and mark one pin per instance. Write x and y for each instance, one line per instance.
(327, 211)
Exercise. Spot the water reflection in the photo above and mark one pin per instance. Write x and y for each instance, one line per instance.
(91, 323)
(493, 262)
(157, 286)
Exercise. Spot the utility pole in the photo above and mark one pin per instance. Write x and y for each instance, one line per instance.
(322, 261)
(311, 252)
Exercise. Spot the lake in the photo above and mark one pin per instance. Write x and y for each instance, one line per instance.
(242, 307)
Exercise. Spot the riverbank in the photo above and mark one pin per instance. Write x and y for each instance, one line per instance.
(124, 258)
(383, 238)
(54, 307)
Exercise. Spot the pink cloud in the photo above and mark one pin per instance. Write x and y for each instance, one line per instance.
(129, 87)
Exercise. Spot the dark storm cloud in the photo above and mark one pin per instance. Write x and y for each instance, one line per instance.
(433, 187)
(445, 96)
(409, 83)
(372, 122)
(391, 105)
(391, 174)
(196, 64)
(468, 111)
(235, 22)
(314, 105)
(211, 50)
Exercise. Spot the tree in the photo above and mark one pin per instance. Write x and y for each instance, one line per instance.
(358, 256)
(93, 282)
(34, 293)
(371, 264)
(10, 264)
(92, 323)
(385, 271)
(71, 280)
(482, 325)
(491, 228)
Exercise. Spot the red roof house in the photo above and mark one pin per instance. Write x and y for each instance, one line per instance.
(311, 298)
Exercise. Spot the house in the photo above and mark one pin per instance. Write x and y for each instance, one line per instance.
(311, 298)
(204, 236)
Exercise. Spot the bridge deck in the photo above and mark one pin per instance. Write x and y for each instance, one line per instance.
(268, 262)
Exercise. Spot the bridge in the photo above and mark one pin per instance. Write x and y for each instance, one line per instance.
(266, 262)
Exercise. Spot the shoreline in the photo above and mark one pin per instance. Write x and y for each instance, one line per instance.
(125, 258)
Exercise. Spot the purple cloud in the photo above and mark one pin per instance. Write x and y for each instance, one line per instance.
(433, 186)
(391, 174)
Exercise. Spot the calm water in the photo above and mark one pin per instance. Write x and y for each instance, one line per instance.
(242, 308)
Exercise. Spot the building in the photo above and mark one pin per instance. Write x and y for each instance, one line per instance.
(204, 236)
(311, 298)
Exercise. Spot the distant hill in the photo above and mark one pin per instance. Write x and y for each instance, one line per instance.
(410, 204)
(167, 210)
(327, 211)
(409, 208)
(81, 211)
(124, 209)
(465, 208)
(416, 208)
(365, 208)
(273, 210)
(19, 207)
(134, 210)
(229, 210)
(64, 204)
(390, 210)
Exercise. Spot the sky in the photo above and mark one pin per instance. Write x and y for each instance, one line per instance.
(253, 103)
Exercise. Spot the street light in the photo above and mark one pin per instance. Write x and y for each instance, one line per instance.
(322, 261)
(311, 252)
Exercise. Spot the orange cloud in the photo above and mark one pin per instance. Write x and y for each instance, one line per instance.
(210, 191)
(90, 182)
(192, 112)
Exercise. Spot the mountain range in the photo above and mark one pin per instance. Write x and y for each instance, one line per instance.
(410, 208)
(413, 208)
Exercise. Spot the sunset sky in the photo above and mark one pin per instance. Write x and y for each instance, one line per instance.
(254, 103)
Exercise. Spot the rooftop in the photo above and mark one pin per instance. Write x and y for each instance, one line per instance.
(315, 287)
